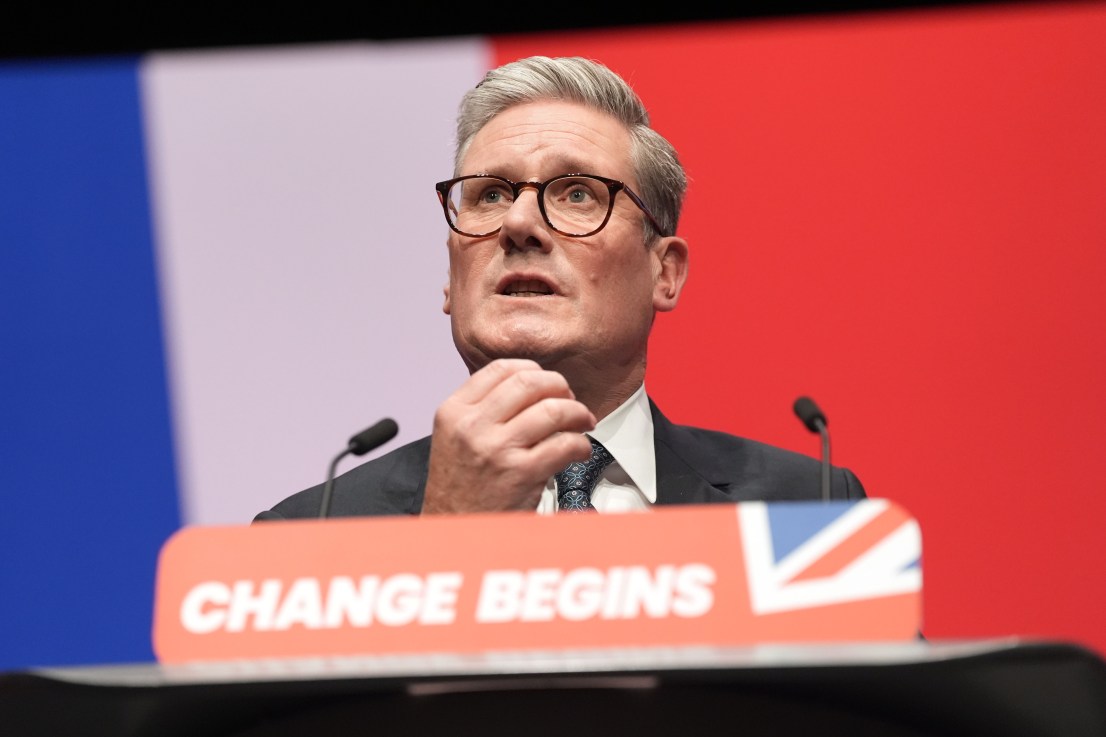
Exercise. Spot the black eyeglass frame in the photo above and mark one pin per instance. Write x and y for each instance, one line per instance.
(614, 186)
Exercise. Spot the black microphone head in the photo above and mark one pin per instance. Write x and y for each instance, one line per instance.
(807, 411)
(373, 437)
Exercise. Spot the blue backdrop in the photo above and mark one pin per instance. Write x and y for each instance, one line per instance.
(86, 462)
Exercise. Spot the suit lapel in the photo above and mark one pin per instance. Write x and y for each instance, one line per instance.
(685, 475)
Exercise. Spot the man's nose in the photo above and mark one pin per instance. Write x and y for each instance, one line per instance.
(523, 225)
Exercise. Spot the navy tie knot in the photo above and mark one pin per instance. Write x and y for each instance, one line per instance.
(576, 482)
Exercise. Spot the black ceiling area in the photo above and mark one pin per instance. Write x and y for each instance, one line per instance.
(55, 31)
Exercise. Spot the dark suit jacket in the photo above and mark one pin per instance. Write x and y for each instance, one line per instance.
(694, 466)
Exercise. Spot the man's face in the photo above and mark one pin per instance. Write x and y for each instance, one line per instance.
(530, 292)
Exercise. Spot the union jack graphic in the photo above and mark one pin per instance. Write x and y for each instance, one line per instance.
(801, 554)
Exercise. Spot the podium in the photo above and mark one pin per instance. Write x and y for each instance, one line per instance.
(752, 619)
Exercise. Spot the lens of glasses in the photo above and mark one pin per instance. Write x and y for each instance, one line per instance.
(573, 205)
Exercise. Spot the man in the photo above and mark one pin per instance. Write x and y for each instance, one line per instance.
(562, 247)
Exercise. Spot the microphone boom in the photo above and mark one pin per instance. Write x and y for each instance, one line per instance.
(360, 444)
(815, 420)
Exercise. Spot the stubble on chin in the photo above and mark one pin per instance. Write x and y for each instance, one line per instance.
(478, 349)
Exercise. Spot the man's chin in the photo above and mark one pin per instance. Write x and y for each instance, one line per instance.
(542, 352)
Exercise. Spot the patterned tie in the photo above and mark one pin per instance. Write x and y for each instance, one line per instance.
(575, 483)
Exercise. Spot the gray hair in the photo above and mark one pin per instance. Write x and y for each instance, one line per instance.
(658, 170)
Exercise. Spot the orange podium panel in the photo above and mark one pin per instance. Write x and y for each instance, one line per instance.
(714, 575)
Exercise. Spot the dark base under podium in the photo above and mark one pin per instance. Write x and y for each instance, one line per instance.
(1008, 688)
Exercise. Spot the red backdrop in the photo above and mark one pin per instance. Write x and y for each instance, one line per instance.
(903, 215)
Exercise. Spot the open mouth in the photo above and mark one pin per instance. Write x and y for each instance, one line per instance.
(527, 288)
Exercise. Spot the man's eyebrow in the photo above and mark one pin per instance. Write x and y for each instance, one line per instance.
(570, 165)
(553, 168)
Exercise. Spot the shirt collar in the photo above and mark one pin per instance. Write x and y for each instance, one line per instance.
(627, 433)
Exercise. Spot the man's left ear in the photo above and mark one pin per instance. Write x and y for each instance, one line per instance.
(671, 264)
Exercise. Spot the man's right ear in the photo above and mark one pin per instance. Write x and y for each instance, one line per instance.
(445, 292)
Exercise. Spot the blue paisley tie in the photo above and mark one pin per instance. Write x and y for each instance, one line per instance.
(575, 483)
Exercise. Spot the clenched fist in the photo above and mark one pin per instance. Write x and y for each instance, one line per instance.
(501, 435)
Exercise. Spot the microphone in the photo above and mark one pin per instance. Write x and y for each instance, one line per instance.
(815, 421)
(360, 444)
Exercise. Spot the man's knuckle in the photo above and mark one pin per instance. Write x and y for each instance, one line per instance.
(528, 381)
(554, 411)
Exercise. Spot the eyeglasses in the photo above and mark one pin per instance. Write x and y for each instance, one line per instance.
(575, 205)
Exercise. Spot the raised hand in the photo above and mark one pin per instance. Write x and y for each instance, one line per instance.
(500, 436)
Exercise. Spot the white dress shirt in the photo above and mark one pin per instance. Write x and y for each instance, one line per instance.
(630, 483)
